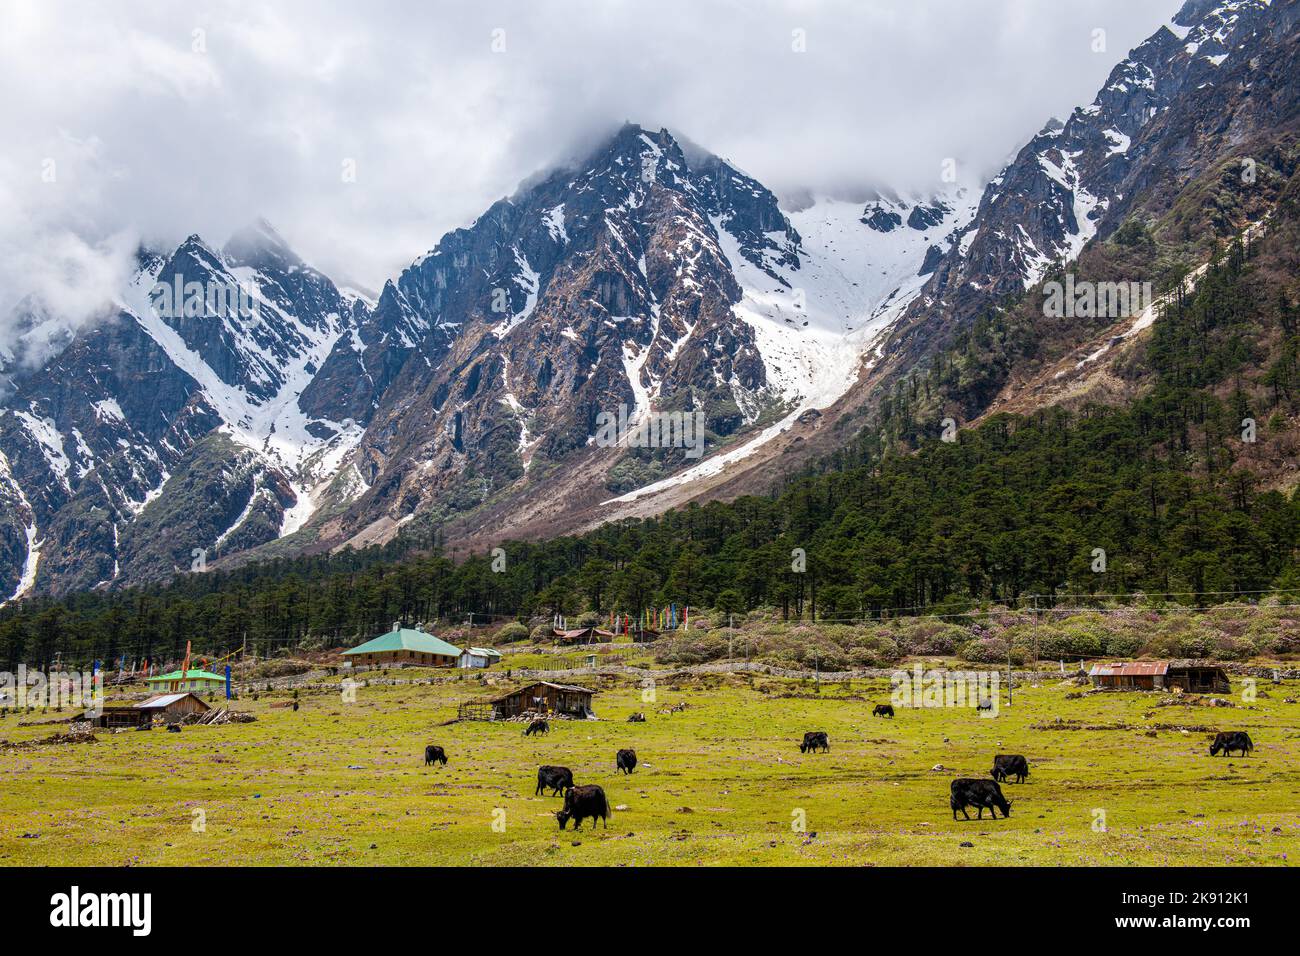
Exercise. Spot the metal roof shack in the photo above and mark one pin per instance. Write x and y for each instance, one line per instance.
(1194, 676)
(539, 697)
(479, 657)
(173, 707)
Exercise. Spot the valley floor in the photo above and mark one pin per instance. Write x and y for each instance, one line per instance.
(721, 782)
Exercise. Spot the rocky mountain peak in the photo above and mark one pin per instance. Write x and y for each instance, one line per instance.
(258, 246)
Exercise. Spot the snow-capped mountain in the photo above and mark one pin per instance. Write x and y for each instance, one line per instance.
(1173, 104)
(1212, 93)
(185, 429)
(176, 406)
(653, 278)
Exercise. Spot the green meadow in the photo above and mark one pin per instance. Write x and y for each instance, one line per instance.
(1115, 779)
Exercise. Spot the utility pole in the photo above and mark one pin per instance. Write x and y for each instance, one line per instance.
(1008, 672)
(1035, 626)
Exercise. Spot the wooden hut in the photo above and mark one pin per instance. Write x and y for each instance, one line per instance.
(172, 708)
(114, 716)
(543, 697)
(1198, 677)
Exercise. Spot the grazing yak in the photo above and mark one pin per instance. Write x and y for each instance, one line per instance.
(625, 760)
(1009, 765)
(173, 728)
(968, 792)
(815, 740)
(555, 779)
(1230, 740)
(434, 754)
(582, 802)
(883, 710)
(637, 718)
(538, 726)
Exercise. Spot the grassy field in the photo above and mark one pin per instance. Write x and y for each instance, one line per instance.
(720, 783)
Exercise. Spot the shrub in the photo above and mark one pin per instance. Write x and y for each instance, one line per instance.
(930, 637)
(991, 650)
(691, 647)
(511, 632)
(1122, 644)
(1074, 637)
(1228, 648)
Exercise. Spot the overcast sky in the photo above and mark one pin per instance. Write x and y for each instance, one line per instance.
(161, 119)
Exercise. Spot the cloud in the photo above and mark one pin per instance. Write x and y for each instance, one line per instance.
(165, 118)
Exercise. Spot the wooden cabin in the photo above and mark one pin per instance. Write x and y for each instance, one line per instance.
(546, 698)
(172, 708)
(1130, 675)
(1198, 677)
(116, 716)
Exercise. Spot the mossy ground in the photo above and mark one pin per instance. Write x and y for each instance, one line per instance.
(720, 783)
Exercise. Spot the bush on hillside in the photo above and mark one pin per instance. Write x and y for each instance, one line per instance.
(511, 632)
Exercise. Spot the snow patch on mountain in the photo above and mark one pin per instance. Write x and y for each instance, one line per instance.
(47, 436)
(815, 321)
(27, 579)
(275, 427)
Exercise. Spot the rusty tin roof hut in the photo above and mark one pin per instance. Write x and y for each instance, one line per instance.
(1200, 677)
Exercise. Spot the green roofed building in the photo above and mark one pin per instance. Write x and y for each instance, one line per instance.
(191, 680)
(405, 646)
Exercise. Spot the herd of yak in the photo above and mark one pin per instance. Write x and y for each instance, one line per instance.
(583, 801)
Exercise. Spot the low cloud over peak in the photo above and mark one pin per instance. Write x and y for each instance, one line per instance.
(364, 133)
